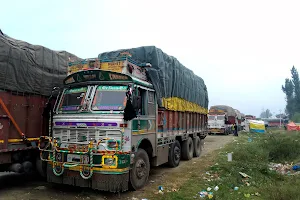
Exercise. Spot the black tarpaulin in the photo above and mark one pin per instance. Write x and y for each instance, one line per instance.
(31, 68)
(168, 76)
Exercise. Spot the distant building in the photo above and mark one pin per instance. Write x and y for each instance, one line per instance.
(275, 122)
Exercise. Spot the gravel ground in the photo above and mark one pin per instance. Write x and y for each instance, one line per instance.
(21, 187)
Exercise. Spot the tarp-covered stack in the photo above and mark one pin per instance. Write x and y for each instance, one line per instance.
(227, 109)
(257, 126)
(177, 87)
(31, 68)
(238, 114)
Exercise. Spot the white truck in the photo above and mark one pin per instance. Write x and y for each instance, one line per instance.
(221, 118)
(216, 124)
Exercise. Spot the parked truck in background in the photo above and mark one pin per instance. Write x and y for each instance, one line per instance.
(27, 75)
(220, 119)
(240, 120)
(243, 123)
(120, 113)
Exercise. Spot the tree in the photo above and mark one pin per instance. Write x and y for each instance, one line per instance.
(266, 114)
(296, 117)
(291, 89)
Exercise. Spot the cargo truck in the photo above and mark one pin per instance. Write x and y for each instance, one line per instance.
(27, 75)
(221, 119)
(118, 114)
(240, 120)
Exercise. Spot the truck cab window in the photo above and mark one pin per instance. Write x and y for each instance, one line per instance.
(72, 99)
(141, 93)
(109, 98)
(151, 105)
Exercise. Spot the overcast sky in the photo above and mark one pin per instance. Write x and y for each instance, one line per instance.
(242, 49)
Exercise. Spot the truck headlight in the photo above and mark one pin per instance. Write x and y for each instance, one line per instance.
(109, 161)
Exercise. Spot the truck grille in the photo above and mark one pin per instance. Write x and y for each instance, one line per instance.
(84, 135)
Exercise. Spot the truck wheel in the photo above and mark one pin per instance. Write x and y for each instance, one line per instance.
(140, 170)
(174, 154)
(187, 149)
(197, 146)
(27, 167)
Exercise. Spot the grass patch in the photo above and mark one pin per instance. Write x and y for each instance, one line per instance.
(252, 158)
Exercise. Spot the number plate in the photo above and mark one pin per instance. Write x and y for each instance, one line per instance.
(73, 158)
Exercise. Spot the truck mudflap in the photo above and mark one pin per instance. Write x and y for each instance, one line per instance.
(107, 177)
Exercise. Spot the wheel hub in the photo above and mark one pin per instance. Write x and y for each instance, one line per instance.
(141, 168)
(177, 153)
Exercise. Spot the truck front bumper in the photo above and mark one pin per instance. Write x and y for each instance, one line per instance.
(216, 130)
(105, 181)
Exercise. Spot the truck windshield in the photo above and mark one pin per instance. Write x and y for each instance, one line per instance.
(220, 118)
(110, 98)
(211, 117)
(72, 99)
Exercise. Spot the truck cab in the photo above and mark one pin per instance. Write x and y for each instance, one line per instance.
(93, 123)
(217, 123)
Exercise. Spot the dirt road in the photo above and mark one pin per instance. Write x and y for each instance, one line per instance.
(18, 187)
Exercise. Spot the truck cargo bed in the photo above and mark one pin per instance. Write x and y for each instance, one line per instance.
(21, 114)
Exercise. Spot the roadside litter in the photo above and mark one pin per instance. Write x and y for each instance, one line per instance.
(208, 192)
(296, 167)
(245, 178)
(204, 194)
(211, 176)
(160, 190)
(285, 169)
(229, 157)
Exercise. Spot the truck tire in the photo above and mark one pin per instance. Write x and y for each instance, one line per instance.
(226, 132)
(201, 146)
(197, 146)
(174, 154)
(140, 170)
(41, 167)
(27, 167)
(187, 149)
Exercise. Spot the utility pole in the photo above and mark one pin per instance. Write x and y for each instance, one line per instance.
(280, 117)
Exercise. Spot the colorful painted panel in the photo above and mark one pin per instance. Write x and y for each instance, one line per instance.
(173, 123)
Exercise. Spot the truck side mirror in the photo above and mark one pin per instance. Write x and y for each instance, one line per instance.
(136, 102)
